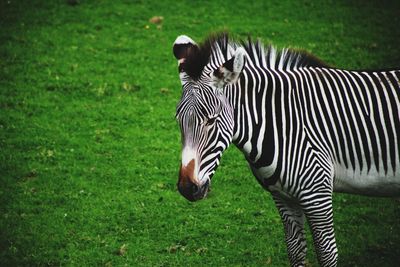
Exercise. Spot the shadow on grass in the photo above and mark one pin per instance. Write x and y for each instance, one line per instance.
(382, 254)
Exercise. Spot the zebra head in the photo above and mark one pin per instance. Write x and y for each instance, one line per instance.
(204, 114)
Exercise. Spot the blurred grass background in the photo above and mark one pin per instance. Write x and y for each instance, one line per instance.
(90, 150)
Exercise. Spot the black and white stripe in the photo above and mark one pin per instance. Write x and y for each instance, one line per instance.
(306, 130)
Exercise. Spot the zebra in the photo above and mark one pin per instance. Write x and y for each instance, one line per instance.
(305, 128)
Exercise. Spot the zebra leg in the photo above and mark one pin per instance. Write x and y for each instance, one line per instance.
(293, 220)
(319, 214)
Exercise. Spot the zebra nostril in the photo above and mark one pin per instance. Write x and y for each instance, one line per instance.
(195, 189)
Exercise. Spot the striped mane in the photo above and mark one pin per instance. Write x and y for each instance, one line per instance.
(266, 56)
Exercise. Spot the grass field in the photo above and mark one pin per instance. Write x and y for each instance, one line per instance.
(90, 150)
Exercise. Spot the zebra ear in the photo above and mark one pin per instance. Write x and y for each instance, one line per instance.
(181, 47)
(230, 71)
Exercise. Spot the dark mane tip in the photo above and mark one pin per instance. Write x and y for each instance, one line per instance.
(198, 56)
(309, 60)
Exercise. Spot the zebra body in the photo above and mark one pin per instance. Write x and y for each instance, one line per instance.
(306, 130)
(355, 162)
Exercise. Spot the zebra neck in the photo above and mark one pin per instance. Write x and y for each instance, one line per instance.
(255, 113)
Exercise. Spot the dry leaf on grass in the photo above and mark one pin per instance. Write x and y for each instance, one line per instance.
(156, 19)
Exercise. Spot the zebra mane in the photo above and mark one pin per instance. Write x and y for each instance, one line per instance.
(267, 56)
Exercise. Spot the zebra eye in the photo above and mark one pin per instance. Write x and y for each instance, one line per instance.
(210, 121)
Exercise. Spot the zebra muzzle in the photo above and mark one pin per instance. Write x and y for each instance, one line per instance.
(193, 192)
(187, 185)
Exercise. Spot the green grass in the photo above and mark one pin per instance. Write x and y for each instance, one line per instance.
(90, 150)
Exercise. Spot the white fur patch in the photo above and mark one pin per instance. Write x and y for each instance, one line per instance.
(188, 154)
(372, 183)
(183, 39)
(238, 63)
